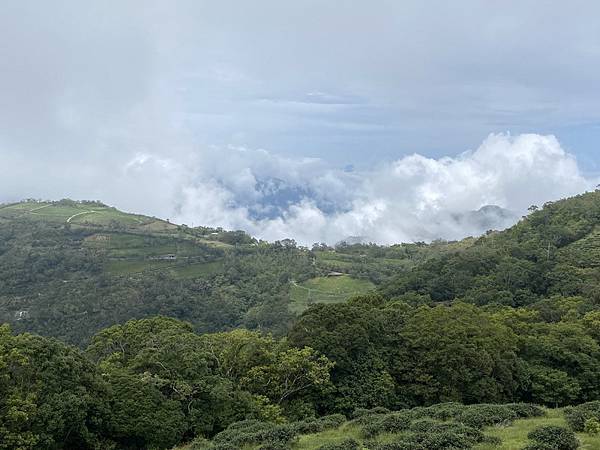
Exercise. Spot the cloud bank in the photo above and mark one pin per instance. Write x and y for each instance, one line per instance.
(414, 198)
(163, 107)
(273, 197)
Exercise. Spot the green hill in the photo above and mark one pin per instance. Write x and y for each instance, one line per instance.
(69, 268)
(358, 433)
(215, 340)
(553, 251)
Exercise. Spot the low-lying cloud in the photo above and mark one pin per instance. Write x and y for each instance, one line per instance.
(162, 108)
(414, 198)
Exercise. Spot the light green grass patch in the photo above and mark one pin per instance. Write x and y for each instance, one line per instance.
(122, 267)
(313, 441)
(514, 436)
(197, 270)
(326, 290)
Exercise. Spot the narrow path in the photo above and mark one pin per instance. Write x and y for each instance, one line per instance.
(79, 214)
(333, 294)
(40, 207)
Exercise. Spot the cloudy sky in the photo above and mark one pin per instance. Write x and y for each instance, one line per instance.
(315, 120)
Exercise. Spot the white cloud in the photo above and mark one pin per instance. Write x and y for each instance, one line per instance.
(273, 197)
(413, 198)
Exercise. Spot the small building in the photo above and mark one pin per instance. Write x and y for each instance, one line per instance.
(21, 315)
(168, 257)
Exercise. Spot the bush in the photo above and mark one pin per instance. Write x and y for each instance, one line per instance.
(430, 434)
(577, 415)
(253, 432)
(389, 423)
(332, 421)
(309, 426)
(362, 412)
(556, 438)
(246, 424)
(423, 425)
(403, 444)
(479, 416)
(348, 444)
(275, 446)
(538, 446)
(201, 443)
(526, 410)
(444, 411)
(592, 426)
(492, 440)
(470, 432)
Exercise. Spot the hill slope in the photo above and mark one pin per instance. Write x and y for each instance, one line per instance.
(68, 269)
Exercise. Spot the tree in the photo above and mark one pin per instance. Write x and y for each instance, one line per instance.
(51, 396)
(289, 373)
(455, 353)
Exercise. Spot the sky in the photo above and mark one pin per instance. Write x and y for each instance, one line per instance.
(313, 120)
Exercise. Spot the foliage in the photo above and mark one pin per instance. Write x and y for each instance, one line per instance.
(552, 437)
(348, 444)
(191, 330)
(576, 416)
(592, 426)
(51, 397)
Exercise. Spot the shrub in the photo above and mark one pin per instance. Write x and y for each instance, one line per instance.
(423, 425)
(200, 443)
(479, 416)
(253, 432)
(246, 424)
(389, 423)
(361, 412)
(492, 440)
(332, 421)
(307, 426)
(577, 415)
(279, 434)
(592, 426)
(348, 444)
(402, 444)
(275, 446)
(538, 446)
(444, 411)
(526, 410)
(447, 439)
(556, 438)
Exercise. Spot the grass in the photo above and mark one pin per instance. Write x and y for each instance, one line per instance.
(326, 290)
(514, 437)
(313, 441)
(77, 214)
(197, 270)
(125, 266)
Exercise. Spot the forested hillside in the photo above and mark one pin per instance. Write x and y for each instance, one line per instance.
(214, 340)
(68, 269)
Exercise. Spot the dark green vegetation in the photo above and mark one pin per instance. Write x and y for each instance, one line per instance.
(71, 278)
(496, 323)
(69, 269)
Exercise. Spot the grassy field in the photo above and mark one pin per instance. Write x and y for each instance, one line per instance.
(326, 290)
(132, 243)
(83, 214)
(514, 436)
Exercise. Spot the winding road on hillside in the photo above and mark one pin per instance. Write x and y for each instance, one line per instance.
(79, 214)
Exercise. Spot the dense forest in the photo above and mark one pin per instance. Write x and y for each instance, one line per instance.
(128, 332)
